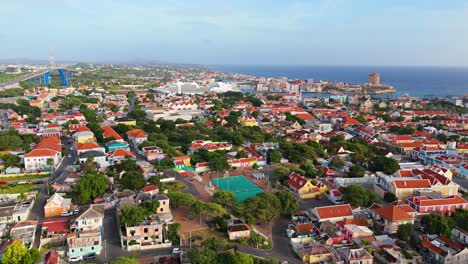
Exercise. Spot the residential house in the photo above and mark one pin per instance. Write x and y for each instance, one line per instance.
(98, 157)
(84, 243)
(352, 255)
(388, 218)
(84, 137)
(110, 133)
(302, 186)
(24, 231)
(136, 137)
(459, 235)
(125, 121)
(118, 155)
(444, 251)
(352, 231)
(332, 213)
(314, 254)
(247, 162)
(45, 154)
(248, 121)
(406, 188)
(237, 231)
(55, 228)
(12, 211)
(153, 153)
(114, 145)
(88, 146)
(56, 205)
(330, 232)
(89, 218)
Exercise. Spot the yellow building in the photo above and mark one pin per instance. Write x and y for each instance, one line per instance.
(126, 121)
(84, 137)
(304, 187)
(248, 121)
(315, 254)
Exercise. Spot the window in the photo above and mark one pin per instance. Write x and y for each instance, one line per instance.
(146, 238)
(145, 230)
(160, 209)
(164, 202)
(156, 230)
(73, 251)
(81, 249)
(92, 248)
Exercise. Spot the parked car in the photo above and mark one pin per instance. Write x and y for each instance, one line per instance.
(65, 213)
(38, 182)
(75, 259)
(176, 251)
(89, 256)
(76, 211)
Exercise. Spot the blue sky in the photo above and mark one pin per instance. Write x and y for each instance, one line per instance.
(293, 32)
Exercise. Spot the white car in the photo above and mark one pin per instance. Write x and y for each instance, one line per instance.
(176, 251)
(65, 213)
(69, 155)
(75, 259)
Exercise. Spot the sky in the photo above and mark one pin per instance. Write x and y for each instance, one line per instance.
(256, 32)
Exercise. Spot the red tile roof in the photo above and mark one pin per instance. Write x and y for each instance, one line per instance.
(297, 181)
(393, 213)
(137, 133)
(333, 211)
(237, 228)
(402, 184)
(110, 132)
(40, 153)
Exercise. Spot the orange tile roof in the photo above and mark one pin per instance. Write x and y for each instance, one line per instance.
(393, 213)
(137, 133)
(87, 145)
(110, 132)
(333, 211)
(412, 184)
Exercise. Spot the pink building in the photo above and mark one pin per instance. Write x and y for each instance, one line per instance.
(425, 205)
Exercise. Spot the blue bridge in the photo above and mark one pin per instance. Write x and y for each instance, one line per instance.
(43, 78)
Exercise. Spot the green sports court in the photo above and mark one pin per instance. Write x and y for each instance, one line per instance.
(239, 185)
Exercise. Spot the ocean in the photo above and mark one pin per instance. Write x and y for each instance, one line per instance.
(414, 81)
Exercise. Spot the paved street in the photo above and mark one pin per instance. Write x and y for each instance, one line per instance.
(60, 173)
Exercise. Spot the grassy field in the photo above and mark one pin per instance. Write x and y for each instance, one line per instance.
(173, 186)
(202, 234)
(20, 188)
(25, 177)
(7, 77)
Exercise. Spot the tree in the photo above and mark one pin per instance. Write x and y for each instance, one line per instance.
(241, 154)
(289, 203)
(202, 255)
(384, 164)
(219, 163)
(10, 141)
(356, 171)
(437, 224)
(137, 114)
(224, 198)
(179, 199)
(133, 180)
(337, 162)
(17, 253)
(390, 197)
(132, 215)
(309, 169)
(150, 207)
(405, 231)
(263, 206)
(173, 233)
(235, 258)
(10, 160)
(442, 137)
(89, 114)
(460, 217)
(358, 195)
(90, 186)
(273, 156)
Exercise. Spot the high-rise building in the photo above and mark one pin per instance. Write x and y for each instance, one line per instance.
(374, 78)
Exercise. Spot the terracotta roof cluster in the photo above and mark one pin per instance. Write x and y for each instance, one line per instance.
(425, 201)
(48, 147)
(393, 213)
(297, 181)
